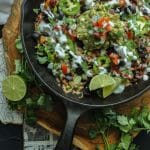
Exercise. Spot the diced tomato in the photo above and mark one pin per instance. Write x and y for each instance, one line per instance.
(122, 3)
(72, 36)
(50, 3)
(101, 21)
(108, 28)
(130, 35)
(64, 68)
(115, 58)
(104, 23)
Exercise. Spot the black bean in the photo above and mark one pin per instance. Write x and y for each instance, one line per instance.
(111, 49)
(132, 9)
(79, 43)
(79, 70)
(83, 8)
(44, 33)
(36, 35)
(145, 12)
(141, 49)
(127, 10)
(86, 91)
(134, 63)
(122, 63)
(45, 18)
(61, 14)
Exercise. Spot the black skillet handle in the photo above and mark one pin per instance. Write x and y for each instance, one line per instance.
(74, 111)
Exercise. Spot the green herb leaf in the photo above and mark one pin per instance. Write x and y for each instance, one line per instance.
(19, 45)
(125, 142)
(122, 120)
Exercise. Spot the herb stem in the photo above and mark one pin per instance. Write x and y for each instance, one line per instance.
(107, 147)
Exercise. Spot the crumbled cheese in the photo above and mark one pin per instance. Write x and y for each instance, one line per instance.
(111, 23)
(145, 77)
(67, 47)
(102, 70)
(62, 38)
(76, 59)
(122, 51)
(128, 64)
(135, 57)
(119, 89)
(44, 27)
(89, 3)
(148, 9)
(148, 69)
(89, 73)
(60, 51)
(130, 53)
(47, 12)
(73, 27)
(53, 40)
(132, 25)
(50, 66)
(112, 2)
(128, 2)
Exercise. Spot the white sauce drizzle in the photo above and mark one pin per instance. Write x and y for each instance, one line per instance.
(89, 3)
(119, 89)
(145, 77)
(76, 59)
(122, 51)
(47, 12)
(60, 51)
(44, 27)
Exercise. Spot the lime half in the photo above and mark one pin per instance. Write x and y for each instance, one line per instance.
(100, 81)
(110, 89)
(14, 88)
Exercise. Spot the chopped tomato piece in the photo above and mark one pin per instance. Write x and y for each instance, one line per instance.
(50, 3)
(122, 3)
(114, 58)
(108, 28)
(104, 23)
(130, 35)
(64, 68)
(72, 36)
(101, 22)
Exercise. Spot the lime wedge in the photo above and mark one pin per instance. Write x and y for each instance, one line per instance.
(110, 89)
(14, 88)
(100, 81)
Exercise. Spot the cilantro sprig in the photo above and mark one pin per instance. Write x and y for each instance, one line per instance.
(107, 119)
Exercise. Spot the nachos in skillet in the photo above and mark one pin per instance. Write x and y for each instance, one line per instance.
(91, 45)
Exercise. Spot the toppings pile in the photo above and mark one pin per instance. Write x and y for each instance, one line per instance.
(93, 45)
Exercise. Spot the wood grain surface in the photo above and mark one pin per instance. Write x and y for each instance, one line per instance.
(55, 120)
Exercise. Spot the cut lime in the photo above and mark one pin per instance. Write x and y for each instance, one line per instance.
(110, 89)
(100, 81)
(14, 88)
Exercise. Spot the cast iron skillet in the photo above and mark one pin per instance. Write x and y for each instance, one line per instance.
(74, 106)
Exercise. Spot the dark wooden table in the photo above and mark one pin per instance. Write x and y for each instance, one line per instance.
(11, 137)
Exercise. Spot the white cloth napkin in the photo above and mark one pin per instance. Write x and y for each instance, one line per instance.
(6, 115)
(5, 9)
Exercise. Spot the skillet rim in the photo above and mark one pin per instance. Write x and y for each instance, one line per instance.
(62, 97)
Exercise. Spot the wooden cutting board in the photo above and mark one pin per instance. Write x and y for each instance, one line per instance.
(55, 120)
